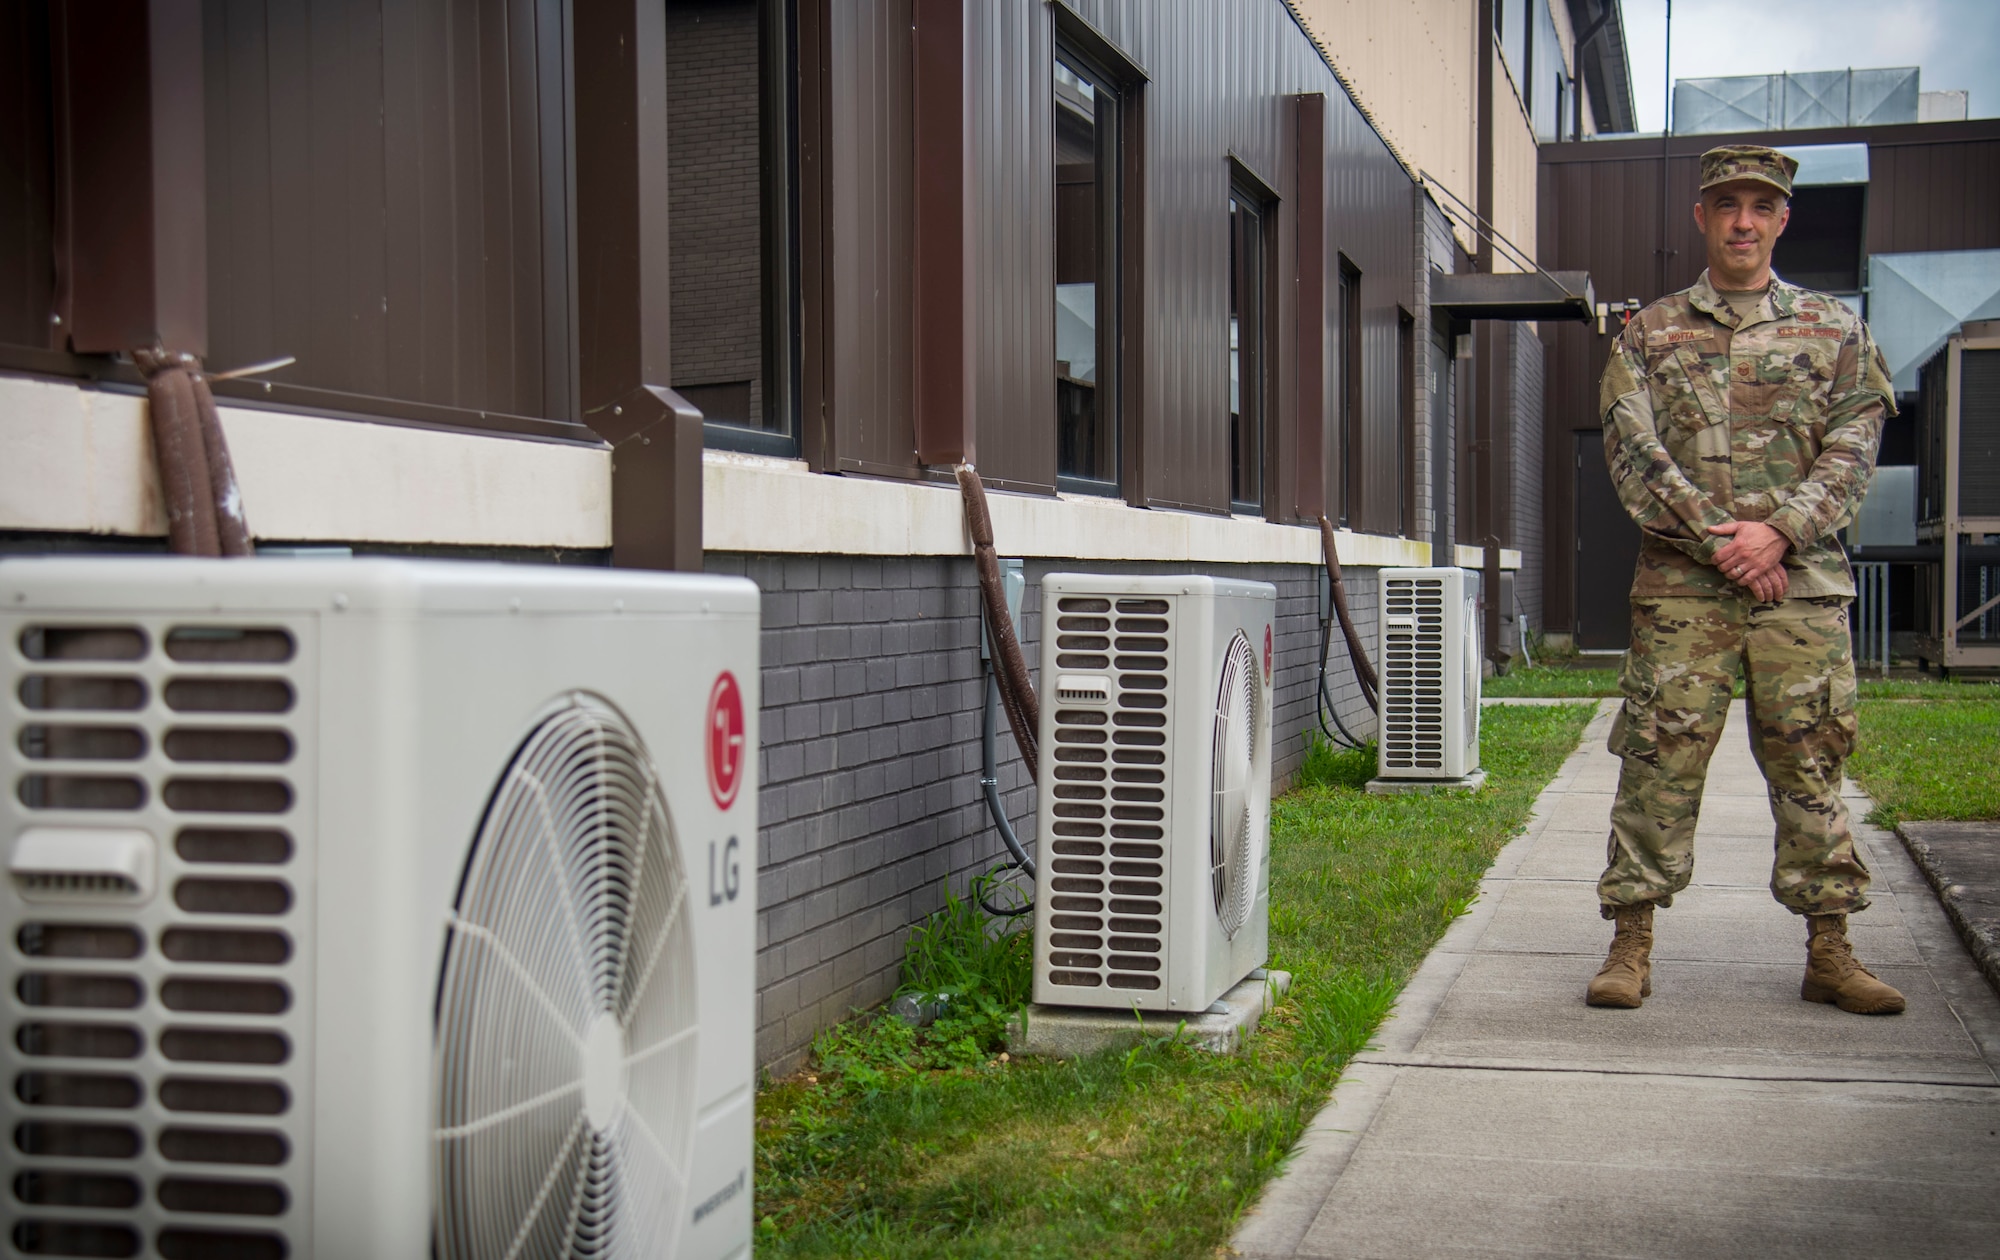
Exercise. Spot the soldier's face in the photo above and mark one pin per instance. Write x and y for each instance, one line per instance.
(1742, 222)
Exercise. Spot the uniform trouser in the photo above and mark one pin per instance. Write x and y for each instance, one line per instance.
(1686, 653)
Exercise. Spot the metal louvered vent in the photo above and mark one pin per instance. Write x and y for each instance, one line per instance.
(1108, 850)
(1231, 836)
(566, 1025)
(1413, 665)
(159, 1056)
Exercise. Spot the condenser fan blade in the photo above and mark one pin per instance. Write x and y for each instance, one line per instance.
(566, 1033)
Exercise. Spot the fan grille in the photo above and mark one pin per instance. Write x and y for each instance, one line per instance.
(572, 911)
(1233, 867)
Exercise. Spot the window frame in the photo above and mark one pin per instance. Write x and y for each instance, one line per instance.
(1348, 358)
(1110, 125)
(1260, 202)
(781, 360)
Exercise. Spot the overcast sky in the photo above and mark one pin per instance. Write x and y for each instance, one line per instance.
(1956, 43)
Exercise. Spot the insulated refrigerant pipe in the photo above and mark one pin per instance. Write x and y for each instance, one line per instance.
(1017, 693)
(1363, 670)
(183, 462)
(197, 480)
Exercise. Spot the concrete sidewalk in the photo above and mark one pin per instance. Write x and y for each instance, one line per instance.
(1496, 1114)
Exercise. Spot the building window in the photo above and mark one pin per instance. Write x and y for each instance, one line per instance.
(1247, 359)
(1087, 261)
(1406, 424)
(1349, 334)
(732, 244)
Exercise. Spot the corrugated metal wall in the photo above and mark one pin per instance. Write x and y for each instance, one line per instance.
(1219, 75)
(1013, 121)
(1933, 186)
(27, 251)
(388, 198)
(872, 234)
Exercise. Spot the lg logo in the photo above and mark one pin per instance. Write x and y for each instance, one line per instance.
(725, 740)
(726, 755)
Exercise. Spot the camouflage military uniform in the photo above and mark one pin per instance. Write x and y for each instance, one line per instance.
(1709, 419)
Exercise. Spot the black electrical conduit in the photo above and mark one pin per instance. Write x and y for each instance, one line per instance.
(1364, 672)
(1005, 682)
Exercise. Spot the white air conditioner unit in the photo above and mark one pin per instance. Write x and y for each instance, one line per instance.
(1428, 727)
(377, 908)
(1152, 888)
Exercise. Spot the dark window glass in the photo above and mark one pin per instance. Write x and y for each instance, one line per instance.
(1246, 355)
(1406, 425)
(1349, 299)
(734, 317)
(1086, 155)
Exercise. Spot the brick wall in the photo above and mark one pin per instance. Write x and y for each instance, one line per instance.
(869, 768)
(714, 196)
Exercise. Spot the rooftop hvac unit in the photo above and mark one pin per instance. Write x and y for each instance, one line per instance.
(1428, 727)
(1958, 509)
(377, 909)
(1152, 889)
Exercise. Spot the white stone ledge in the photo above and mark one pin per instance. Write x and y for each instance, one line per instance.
(75, 459)
(758, 504)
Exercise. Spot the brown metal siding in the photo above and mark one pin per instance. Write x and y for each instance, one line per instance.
(872, 231)
(388, 199)
(1220, 73)
(27, 254)
(1932, 186)
(1013, 291)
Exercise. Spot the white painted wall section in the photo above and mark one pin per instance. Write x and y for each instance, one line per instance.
(81, 460)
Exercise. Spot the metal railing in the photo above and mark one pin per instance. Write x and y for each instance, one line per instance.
(1871, 615)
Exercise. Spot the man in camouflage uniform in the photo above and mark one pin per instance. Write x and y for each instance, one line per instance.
(1741, 418)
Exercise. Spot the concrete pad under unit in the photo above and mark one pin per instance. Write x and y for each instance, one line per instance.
(1404, 787)
(1070, 1031)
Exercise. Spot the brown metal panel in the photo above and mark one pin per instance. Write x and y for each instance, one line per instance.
(1013, 50)
(1308, 497)
(621, 201)
(941, 281)
(131, 257)
(27, 200)
(871, 149)
(390, 204)
(815, 112)
(623, 290)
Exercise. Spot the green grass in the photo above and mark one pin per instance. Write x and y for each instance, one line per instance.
(1552, 681)
(1929, 761)
(893, 1144)
(1556, 681)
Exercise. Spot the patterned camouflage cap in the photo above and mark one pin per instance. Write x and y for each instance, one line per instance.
(1748, 161)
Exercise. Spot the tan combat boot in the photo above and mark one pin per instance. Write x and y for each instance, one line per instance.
(1626, 978)
(1834, 974)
